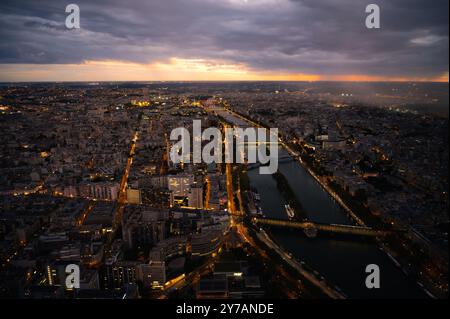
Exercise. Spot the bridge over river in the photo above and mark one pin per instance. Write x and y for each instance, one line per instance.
(311, 228)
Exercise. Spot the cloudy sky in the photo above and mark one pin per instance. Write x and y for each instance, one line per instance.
(223, 40)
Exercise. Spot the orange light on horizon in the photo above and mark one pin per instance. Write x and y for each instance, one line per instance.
(175, 69)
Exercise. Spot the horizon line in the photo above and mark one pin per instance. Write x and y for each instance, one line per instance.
(229, 81)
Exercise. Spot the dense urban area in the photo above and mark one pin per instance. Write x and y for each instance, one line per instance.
(86, 179)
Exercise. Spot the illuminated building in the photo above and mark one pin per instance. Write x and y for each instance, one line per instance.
(180, 185)
(120, 274)
(207, 242)
(106, 190)
(134, 196)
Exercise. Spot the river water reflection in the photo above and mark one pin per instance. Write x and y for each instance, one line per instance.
(341, 262)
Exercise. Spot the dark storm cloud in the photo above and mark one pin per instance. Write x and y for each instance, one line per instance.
(299, 36)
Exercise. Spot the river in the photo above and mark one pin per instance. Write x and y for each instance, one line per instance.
(341, 261)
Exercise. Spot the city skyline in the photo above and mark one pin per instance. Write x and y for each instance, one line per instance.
(250, 150)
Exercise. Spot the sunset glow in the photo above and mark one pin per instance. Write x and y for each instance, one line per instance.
(175, 69)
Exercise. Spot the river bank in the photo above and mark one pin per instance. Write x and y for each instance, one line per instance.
(324, 205)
